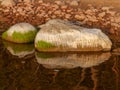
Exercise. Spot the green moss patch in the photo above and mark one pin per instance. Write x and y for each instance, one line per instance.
(26, 37)
(20, 37)
(4, 35)
(44, 45)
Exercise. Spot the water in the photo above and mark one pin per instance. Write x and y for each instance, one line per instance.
(23, 68)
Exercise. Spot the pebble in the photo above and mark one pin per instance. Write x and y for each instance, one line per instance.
(102, 14)
(74, 3)
(58, 2)
(80, 17)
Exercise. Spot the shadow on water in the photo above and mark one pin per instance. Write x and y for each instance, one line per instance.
(22, 68)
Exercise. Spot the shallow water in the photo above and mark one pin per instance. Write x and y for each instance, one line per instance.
(23, 68)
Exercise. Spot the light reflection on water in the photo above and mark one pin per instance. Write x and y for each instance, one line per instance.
(22, 68)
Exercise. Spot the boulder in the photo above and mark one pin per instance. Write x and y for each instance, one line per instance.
(20, 33)
(61, 36)
(7, 2)
(71, 60)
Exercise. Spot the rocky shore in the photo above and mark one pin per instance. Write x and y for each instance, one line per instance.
(37, 12)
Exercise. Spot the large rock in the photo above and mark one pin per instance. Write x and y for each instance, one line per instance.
(71, 60)
(8, 2)
(20, 33)
(60, 35)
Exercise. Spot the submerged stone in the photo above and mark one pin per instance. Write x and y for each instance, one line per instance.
(60, 35)
(71, 60)
(20, 33)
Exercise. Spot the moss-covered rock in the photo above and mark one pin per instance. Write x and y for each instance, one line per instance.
(20, 33)
(61, 36)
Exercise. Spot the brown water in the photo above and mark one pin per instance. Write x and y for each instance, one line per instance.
(22, 68)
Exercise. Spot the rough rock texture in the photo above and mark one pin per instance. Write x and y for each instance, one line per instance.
(63, 60)
(20, 33)
(61, 35)
(7, 2)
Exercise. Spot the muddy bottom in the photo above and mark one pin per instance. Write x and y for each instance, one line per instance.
(22, 68)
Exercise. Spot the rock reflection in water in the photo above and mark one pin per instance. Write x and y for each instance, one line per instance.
(19, 50)
(30, 75)
(16, 75)
(71, 60)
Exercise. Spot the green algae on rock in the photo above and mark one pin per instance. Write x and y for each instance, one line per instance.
(44, 45)
(61, 36)
(20, 33)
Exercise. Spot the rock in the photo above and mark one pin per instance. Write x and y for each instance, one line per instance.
(64, 7)
(80, 17)
(106, 8)
(62, 36)
(71, 60)
(102, 14)
(57, 12)
(40, 1)
(28, 1)
(67, 16)
(7, 2)
(58, 2)
(20, 33)
(74, 3)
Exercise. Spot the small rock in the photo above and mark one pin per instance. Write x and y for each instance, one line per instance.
(55, 6)
(67, 16)
(58, 2)
(117, 19)
(57, 12)
(27, 1)
(64, 7)
(102, 14)
(8, 2)
(112, 31)
(69, 10)
(92, 18)
(89, 12)
(40, 1)
(20, 33)
(80, 17)
(106, 8)
(74, 3)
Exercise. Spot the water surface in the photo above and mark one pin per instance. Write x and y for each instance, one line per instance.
(23, 68)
